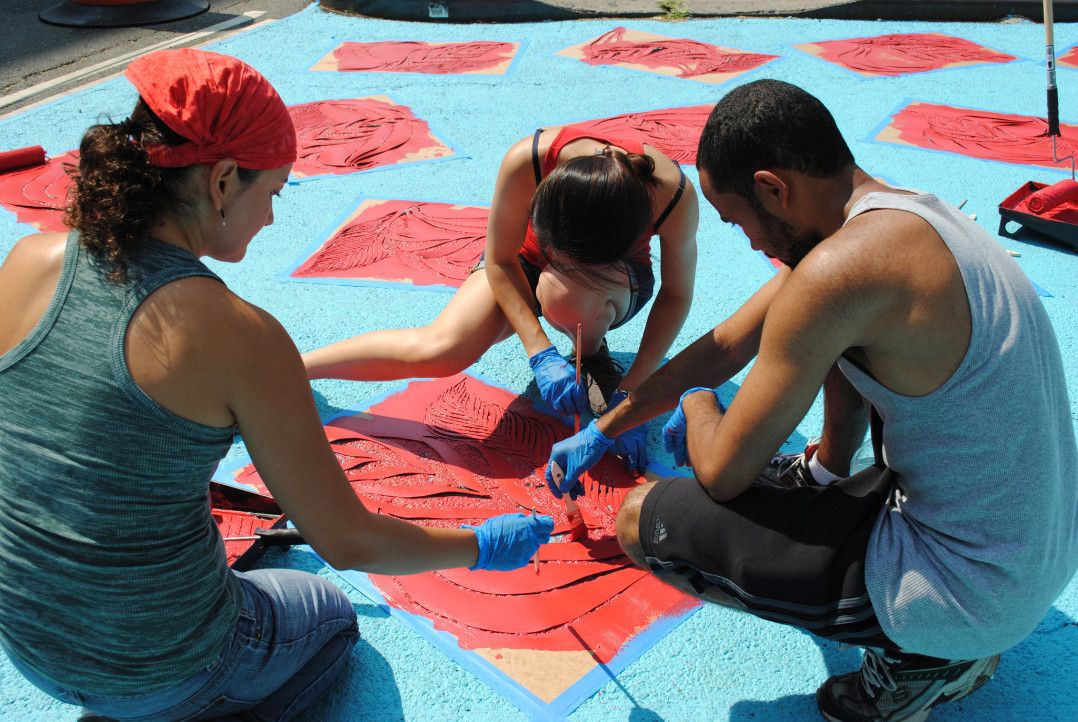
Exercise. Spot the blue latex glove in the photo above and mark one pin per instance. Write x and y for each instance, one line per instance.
(572, 457)
(509, 541)
(556, 379)
(632, 446)
(674, 432)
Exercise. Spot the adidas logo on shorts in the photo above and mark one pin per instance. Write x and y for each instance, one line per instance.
(659, 533)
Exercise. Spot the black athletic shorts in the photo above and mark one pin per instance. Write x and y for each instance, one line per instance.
(793, 556)
(641, 285)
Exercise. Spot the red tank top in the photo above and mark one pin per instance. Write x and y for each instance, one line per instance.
(641, 250)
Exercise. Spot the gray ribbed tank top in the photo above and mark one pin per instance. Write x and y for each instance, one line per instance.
(113, 578)
(982, 534)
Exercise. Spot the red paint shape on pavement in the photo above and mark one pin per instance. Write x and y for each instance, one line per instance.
(674, 131)
(37, 195)
(1070, 58)
(682, 57)
(422, 57)
(345, 136)
(404, 241)
(979, 134)
(457, 450)
(904, 53)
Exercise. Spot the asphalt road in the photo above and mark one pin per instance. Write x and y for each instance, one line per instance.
(41, 60)
(54, 59)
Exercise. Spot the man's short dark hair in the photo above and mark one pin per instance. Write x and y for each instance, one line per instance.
(769, 124)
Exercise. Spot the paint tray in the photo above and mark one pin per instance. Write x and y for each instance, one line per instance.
(1057, 230)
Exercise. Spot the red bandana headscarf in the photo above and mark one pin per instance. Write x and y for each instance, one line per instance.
(223, 106)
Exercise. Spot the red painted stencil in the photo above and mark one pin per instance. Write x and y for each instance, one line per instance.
(345, 136)
(37, 195)
(979, 134)
(674, 131)
(1070, 58)
(455, 451)
(904, 53)
(404, 241)
(478, 56)
(681, 57)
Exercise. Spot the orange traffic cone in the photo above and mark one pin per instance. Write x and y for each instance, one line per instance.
(120, 13)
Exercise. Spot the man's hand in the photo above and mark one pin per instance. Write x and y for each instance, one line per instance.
(509, 541)
(557, 383)
(675, 430)
(572, 457)
(632, 445)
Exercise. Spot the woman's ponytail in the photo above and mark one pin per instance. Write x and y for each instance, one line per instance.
(116, 195)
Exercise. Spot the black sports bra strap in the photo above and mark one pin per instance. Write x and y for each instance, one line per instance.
(876, 428)
(673, 201)
(536, 165)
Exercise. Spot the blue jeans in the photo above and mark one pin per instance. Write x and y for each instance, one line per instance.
(294, 635)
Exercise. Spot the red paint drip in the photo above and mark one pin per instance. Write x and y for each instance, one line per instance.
(690, 58)
(674, 131)
(982, 134)
(1070, 58)
(456, 450)
(37, 195)
(420, 57)
(404, 241)
(904, 53)
(344, 136)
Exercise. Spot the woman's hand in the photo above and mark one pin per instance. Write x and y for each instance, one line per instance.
(509, 541)
(557, 382)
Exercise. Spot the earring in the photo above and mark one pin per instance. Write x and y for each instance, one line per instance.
(222, 211)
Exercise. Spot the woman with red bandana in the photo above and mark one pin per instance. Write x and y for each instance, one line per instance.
(571, 222)
(126, 369)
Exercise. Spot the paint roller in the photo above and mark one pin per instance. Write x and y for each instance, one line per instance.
(21, 158)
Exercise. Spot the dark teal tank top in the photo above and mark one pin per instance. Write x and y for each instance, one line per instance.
(113, 579)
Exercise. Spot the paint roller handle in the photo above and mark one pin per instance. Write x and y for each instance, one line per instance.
(1050, 51)
(509, 541)
(1053, 111)
(570, 458)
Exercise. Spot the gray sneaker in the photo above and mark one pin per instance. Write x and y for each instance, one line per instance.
(787, 471)
(900, 687)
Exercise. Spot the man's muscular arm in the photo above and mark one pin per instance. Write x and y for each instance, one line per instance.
(711, 360)
(825, 307)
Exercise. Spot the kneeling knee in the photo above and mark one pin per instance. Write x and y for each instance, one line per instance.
(628, 524)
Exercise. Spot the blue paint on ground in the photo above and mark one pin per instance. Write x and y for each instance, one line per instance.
(718, 664)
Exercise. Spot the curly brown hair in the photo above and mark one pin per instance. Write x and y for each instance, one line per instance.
(116, 195)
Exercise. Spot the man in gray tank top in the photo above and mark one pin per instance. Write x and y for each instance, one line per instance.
(951, 548)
